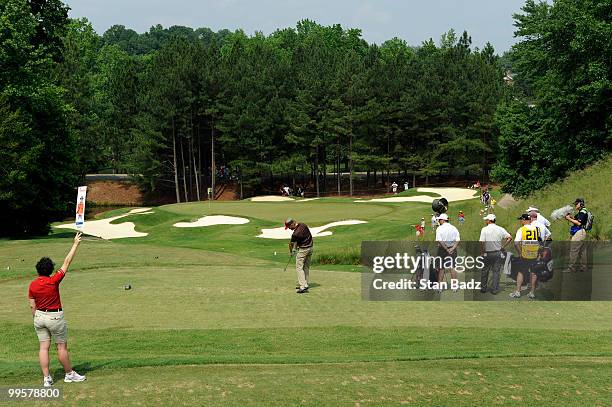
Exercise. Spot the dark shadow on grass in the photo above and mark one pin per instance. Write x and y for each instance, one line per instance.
(57, 235)
(85, 368)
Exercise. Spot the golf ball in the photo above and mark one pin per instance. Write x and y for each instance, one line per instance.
(275, 253)
(127, 287)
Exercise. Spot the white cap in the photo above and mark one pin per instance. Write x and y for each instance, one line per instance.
(442, 216)
(532, 209)
(490, 217)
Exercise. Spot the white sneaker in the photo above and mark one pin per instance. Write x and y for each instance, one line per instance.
(73, 377)
(516, 294)
(531, 296)
(48, 381)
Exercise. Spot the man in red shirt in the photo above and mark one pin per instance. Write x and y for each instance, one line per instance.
(48, 315)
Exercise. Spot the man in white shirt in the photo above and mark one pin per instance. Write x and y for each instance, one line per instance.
(544, 232)
(394, 187)
(448, 239)
(541, 219)
(493, 239)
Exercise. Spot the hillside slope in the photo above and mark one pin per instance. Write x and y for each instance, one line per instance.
(593, 184)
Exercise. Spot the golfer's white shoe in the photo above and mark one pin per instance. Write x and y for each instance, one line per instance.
(516, 294)
(531, 296)
(74, 377)
(48, 381)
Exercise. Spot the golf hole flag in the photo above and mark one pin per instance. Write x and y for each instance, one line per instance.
(80, 207)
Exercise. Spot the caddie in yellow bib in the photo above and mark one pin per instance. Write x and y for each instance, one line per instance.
(530, 242)
(527, 242)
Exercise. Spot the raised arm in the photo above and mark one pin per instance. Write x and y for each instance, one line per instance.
(71, 253)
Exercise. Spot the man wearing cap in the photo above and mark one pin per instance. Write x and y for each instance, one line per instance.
(545, 233)
(448, 239)
(493, 240)
(540, 218)
(434, 222)
(301, 240)
(578, 233)
(527, 242)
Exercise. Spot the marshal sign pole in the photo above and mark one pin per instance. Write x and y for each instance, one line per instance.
(80, 207)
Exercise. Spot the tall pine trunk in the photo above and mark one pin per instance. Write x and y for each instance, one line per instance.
(338, 166)
(195, 172)
(316, 170)
(324, 169)
(240, 178)
(213, 168)
(176, 182)
(189, 154)
(184, 175)
(351, 164)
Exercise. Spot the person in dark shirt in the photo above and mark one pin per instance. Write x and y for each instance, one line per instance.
(301, 244)
(577, 258)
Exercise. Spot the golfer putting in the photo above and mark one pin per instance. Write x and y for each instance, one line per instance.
(46, 306)
(300, 244)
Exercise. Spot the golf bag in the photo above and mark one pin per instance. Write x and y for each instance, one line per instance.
(542, 266)
(425, 270)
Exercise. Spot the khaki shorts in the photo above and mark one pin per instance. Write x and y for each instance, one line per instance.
(51, 325)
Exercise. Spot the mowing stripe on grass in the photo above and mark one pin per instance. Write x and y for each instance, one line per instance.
(135, 348)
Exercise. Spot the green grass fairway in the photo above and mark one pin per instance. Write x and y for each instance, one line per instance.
(212, 319)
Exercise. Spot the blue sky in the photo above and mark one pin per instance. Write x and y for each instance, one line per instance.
(411, 20)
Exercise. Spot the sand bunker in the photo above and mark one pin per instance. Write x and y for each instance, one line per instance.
(140, 211)
(271, 198)
(212, 220)
(104, 229)
(320, 231)
(307, 199)
(451, 194)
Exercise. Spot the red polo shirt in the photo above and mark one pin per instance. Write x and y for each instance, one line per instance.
(45, 291)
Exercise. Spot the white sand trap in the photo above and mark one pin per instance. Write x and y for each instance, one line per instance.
(104, 229)
(320, 231)
(451, 194)
(271, 198)
(212, 220)
(307, 199)
(140, 210)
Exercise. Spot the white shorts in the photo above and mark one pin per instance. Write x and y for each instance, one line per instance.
(50, 325)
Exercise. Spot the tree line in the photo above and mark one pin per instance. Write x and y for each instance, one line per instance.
(175, 105)
(183, 109)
